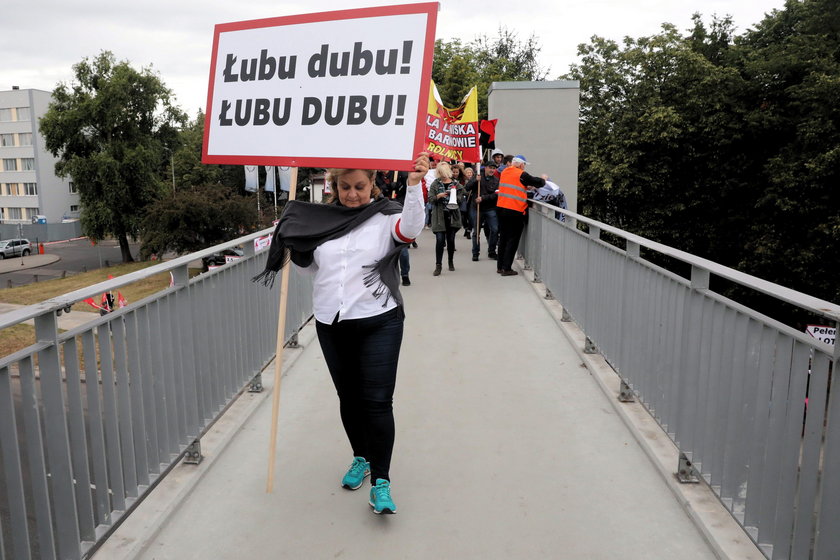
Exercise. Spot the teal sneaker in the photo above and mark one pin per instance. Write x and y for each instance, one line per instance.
(380, 497)
(356, 474)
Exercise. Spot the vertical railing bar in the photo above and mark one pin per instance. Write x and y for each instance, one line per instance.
(15, 498)
(147, 397)
(710, 348)
(137, 379)
(112, 439)
(758, 438)
(171, 312)
(779, 403)
(62, 492)
(96, 430)
(214, 334)
(79, 449)
(733, 467)
(124, 418)
(37, 461)
(198, 310)
(163, 414)
(725, 382)
(171, 366)
(791, 449)
(810, 466)
(827, 544)
(184, 326)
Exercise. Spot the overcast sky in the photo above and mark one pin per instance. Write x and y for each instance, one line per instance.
(40, 40)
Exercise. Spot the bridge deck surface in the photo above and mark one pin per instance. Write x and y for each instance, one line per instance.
(506, 448)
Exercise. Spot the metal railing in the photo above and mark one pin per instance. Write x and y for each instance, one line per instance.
(726, 383)
(92, 418)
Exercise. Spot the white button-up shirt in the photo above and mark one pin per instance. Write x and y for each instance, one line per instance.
(339, 286)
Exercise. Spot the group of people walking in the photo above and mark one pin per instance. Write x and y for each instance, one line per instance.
(495, 201)
(352, 245)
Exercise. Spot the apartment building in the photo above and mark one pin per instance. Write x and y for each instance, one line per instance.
(29, 187)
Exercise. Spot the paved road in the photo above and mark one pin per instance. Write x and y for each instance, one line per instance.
(73, 257)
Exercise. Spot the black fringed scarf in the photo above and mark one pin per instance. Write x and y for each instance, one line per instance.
(305, 225)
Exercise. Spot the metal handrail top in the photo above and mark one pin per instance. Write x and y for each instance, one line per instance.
(820, 306)
(66, 300)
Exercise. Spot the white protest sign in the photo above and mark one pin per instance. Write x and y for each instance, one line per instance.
(334, 89)
(822, 333)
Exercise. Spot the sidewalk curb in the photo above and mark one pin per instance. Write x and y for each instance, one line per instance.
(724, 535)
(139, 530)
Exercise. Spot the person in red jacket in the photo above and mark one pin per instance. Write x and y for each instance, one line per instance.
(511, 207)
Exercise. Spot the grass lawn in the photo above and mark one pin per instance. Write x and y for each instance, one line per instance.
(21, 336)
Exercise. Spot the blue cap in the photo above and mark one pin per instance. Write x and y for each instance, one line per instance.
(519, 159)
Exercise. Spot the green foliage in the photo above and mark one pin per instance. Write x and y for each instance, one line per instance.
(110, 129)
(190, 172)
(498, 58)
(195, 218)
(721, 145)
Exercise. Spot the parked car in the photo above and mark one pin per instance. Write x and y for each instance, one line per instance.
(222, 257)
(14, 248)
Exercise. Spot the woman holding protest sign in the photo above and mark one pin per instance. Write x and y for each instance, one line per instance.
(352, 245)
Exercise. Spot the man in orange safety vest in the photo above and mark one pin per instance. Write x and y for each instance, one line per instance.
(511, 208)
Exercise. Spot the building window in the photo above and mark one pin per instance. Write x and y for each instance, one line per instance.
(23, 113)
(14, 189)
(73, 188)
(74, 207)
(25, 139)
(14, 213)
(9, 164)
(28, 163)
(7, 140)
(31, 213)
(5, 115)
(30, 188)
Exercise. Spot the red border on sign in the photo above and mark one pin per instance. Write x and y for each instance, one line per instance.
(430, 9)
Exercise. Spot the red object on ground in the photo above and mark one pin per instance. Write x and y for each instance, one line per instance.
(40, 248)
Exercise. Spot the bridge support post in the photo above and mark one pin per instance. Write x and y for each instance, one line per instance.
(193, 455)
(549, 295)
(589, 347)
(625, 393)
(256, 386)
(293, 342)
(686, 473)
(565, 317)
(536, 278)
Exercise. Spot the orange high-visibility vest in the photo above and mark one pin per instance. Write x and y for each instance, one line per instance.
(512, 193)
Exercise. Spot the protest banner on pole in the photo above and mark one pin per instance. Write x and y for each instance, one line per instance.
(335, 89)
(453, 133)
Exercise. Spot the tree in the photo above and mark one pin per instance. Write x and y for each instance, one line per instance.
(110, 130)
(502, 57)
(189, 171)
(196, 217)
(721, 145)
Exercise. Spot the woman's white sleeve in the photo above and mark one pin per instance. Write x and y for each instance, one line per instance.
(409, 224)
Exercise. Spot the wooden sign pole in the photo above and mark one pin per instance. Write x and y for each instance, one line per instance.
(278, 358)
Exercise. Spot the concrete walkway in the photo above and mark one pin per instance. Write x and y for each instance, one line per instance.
(506, 448)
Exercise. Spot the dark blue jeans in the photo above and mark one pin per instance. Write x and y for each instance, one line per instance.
(405, 265)
(362, 356)
(490, 224)
(511, 224)
(445, 238)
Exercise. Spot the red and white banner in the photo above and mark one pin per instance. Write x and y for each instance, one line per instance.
(334, 89)
(453, 133)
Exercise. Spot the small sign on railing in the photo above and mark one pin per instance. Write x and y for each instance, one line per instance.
(823, 333)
